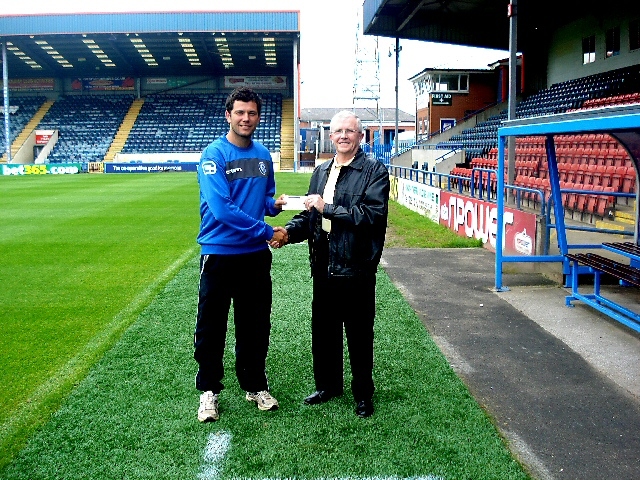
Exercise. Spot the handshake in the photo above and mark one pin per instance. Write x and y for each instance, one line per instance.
(287, 202)
(280, 237)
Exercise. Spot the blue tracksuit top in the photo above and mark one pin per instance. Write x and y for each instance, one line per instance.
(237, 186)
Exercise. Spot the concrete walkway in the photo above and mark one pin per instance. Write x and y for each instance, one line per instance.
(561, 383)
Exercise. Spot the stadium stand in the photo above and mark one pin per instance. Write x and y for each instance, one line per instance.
(189, 122)
(25, 108)
(589, 162)
(617, 87)
(86, 124)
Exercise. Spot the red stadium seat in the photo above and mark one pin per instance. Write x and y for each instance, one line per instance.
(563, 171)
(590, 207)
(573, 172)
(617, 178)
(580, 174)
(572, 198)
(629, 181)
(589, 156)
(564, 195)
(589, 175)
(605, 204)
(581, 204)
(607, 174)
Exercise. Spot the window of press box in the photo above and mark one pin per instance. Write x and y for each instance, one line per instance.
(589, 49)
(451, 83)
(634, 34)
(612, 42)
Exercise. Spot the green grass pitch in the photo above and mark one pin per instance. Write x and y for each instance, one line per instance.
(99, 289)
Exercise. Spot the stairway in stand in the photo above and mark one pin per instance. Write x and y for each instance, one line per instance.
(123, 132)
(287, 133)
(28, 129)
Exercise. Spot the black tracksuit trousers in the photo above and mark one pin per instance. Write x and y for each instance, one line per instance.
(245, 279)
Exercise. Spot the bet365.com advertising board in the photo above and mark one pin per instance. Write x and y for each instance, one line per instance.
(41, 169)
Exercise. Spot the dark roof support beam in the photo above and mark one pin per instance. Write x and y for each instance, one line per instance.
(204, 49)
(121, 57)
(409, 12)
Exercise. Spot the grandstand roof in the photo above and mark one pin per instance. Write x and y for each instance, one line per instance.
(479, 23)
(163, 35)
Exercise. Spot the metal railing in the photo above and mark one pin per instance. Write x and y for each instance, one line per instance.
(484, 188)
(476, 188)
(549, 225)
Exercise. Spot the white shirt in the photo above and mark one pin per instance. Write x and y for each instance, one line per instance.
(330, 188)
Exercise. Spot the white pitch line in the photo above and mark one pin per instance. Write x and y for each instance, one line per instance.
(219, 443)
(214, 452)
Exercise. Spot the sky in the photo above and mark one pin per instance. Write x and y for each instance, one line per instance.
(327, 46)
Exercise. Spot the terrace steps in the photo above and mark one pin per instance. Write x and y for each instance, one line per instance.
(125, 128)
(287, 134)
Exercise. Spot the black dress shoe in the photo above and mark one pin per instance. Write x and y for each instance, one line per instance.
(320, 396)
(364, 408)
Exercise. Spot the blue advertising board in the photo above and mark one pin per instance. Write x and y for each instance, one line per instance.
(149, 167)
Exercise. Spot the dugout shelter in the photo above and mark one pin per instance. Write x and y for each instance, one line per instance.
(155, 55)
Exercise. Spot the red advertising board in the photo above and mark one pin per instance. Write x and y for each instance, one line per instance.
(31, 84)
(106, 83)
(43, 136)
(473, 218)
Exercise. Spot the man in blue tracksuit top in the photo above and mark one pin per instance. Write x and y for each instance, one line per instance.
(236, 192)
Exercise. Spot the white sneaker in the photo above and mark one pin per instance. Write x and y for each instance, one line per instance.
(208, 411)
(264, 400)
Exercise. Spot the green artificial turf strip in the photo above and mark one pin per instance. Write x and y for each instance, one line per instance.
(82, 255)
(134, 416)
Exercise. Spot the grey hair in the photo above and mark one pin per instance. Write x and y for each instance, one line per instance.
(343, 115)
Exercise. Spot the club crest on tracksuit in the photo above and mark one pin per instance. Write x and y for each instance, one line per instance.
(209, 168)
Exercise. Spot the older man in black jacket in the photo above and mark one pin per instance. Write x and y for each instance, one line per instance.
(345, 222)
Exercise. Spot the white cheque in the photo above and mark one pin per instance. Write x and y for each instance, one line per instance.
(294, 202)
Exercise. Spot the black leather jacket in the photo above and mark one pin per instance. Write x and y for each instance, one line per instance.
(358, 219)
